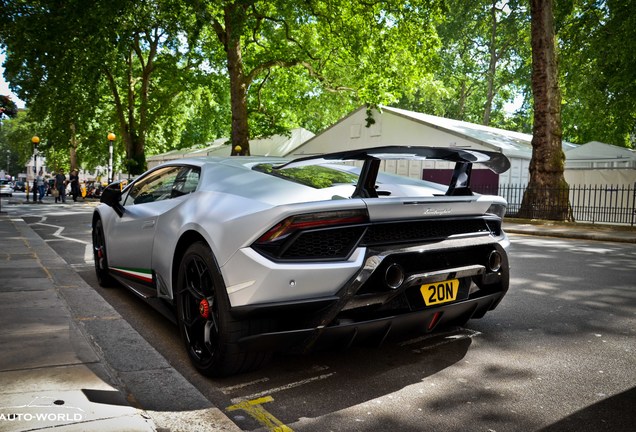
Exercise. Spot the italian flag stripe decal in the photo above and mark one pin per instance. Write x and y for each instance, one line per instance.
(138, 274)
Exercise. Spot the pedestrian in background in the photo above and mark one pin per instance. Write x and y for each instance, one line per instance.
(60, 186)
(74, 179)
(40, 184)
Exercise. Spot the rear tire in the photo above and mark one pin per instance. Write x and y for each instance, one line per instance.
(207, 328)
(100, 256)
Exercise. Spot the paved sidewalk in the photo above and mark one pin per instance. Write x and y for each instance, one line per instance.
(611, 233)
(69, 362)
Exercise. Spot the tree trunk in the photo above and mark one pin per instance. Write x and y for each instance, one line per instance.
(73, 149)
(546, 196)
(132, 135)
(238, 94)
(234, 20)
(463, 95)
(135, 159)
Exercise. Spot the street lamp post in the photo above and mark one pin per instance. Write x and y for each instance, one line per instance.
(8, 153)
(35, 140)
(111, 138)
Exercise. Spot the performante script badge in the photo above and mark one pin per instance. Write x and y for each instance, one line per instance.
(437, 212)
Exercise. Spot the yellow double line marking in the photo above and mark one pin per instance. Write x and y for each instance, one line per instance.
(254, 407)
(255, 410)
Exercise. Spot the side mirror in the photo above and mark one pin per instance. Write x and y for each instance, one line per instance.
(111, 196)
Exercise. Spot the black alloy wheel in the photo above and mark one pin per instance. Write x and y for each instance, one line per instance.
(198, 310)
(100, 257)
(209, 331)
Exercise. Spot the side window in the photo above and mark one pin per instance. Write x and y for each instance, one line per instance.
(156, 186)
(186, 182)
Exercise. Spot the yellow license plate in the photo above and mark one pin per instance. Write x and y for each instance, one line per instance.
(440, 292)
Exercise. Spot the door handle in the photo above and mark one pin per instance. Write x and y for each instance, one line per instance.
(148, 224)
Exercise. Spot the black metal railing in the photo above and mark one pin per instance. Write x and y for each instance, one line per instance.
(588, 203)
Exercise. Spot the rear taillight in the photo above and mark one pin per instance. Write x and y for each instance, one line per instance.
(313, 221)
(322, 236)
(498, 210)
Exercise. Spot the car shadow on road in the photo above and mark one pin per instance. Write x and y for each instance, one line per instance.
(330, 381)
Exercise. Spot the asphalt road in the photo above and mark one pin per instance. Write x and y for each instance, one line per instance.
(558, 354)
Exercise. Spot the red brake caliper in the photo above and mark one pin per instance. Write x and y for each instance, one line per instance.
(204, 309)
(100, 257)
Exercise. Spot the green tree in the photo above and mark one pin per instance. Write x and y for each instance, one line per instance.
(480, 64)
(547, 184)
(44, 63)
(15, 138)
(371, 50)
(67, 58)
(599, 76)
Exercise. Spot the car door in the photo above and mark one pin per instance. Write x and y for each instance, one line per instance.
(132, 236)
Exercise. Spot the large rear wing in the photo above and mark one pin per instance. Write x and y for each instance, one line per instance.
(459, 184)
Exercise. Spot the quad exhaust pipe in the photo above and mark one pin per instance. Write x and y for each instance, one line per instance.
(494, 261)
(394, 275)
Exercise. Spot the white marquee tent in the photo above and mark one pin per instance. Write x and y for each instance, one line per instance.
(394, 126)
(277, 145)
(597, 163)
(591, 163)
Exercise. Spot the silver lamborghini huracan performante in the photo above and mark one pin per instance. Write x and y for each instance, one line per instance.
(251, 255)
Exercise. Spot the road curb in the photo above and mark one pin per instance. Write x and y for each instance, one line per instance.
(564, 232)
(149, 382)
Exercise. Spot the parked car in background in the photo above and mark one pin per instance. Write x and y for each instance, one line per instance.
(5, 188)
(257, 254)
(19, 186)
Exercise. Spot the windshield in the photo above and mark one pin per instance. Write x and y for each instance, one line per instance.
(315, 176)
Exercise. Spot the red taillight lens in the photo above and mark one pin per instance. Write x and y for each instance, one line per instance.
(313, 220)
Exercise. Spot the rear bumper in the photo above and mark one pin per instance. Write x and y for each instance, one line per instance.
(373, 331)
(366, 310)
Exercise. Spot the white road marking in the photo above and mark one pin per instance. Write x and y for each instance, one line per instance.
(58, 234)
(229, 389)
(281, 388)
(88, 254)
(88, 250)
(448, 338)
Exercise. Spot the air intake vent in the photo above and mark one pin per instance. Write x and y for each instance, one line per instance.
(407, 232)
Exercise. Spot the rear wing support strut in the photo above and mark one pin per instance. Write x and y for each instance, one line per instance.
(366, 182)
(460, 182)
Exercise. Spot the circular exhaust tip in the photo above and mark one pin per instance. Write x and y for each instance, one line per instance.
(494, 261)
(394, 276)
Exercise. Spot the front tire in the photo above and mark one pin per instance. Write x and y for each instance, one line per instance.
(207, 328)
(100, 257)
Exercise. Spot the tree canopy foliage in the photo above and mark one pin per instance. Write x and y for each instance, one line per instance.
(483, 61)
(168, 74)
(357, 51)
(598, 57)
